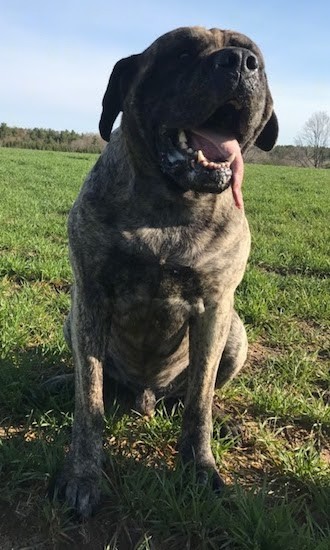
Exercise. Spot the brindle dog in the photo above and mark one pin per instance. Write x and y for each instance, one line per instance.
(159, 240)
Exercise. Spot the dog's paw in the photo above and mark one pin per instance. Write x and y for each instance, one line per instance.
(209, 475)
(226, 428)
(145, 402)
(57, 383)
(232, 431)
(80, 493)
(204, 464)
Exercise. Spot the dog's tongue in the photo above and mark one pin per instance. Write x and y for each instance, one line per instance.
(216, 147)
(219, 148)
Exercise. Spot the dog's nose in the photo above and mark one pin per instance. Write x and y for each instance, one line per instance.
(236, 59)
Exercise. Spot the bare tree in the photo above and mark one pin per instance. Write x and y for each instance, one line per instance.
(313, 140)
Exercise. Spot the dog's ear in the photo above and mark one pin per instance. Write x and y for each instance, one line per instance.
(117, 89)
(268, 136)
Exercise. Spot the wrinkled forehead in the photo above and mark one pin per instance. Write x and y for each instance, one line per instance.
(200, 39)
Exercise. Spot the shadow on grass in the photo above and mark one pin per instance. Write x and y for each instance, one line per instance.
(142, 506)
(38, 380)
(306, 420)
(21, 378)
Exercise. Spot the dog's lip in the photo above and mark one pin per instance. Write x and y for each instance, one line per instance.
(215, 127)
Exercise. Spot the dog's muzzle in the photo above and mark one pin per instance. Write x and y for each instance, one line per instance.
(204, 158)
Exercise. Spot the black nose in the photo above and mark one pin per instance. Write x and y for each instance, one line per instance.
(236, 59)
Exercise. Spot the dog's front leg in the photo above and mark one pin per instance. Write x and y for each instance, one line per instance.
(208, 333)
(80, 479)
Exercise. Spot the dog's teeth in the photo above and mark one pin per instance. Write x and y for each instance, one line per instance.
(190, 150)
(200, 156)
(210, 165)
(183, 139)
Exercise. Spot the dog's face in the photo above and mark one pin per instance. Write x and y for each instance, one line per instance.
(191, 101)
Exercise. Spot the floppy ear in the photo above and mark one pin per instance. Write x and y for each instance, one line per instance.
(117, 89)
(267, 138)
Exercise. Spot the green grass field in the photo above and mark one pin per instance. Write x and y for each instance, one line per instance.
(278, 494)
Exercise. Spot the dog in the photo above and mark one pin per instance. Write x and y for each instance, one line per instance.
(159, 241)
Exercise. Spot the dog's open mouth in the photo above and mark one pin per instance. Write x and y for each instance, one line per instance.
(207, 148)
(206, 158)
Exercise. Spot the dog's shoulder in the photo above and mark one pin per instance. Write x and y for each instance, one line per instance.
(107, 185)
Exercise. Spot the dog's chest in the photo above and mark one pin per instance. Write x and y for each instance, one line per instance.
(150, 296)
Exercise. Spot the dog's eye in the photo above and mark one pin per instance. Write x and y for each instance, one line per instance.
(184, 56)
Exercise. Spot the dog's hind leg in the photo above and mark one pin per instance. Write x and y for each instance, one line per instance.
(235, 352)
(67, 330)
(55, 384)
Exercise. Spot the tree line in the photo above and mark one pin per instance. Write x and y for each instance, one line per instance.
(49, 140)
(310, 148)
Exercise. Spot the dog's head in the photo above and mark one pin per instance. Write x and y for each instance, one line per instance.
(191, 103)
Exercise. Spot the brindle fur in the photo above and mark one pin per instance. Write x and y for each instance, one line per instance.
(155, 267)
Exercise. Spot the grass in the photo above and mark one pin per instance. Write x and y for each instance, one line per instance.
(278, 493)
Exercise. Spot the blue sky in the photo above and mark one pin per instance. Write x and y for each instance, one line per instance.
(57, 56)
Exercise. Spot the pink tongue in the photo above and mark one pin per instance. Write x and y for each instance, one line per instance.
(217, 148)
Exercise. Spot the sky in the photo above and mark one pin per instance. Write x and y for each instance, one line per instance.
(56, 56)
